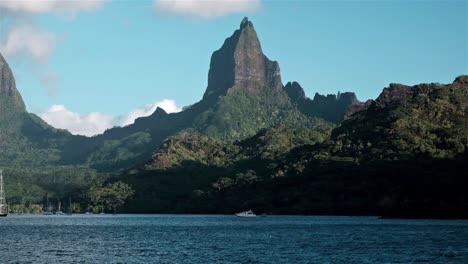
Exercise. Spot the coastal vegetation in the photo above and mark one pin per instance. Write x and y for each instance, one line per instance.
(250, 143)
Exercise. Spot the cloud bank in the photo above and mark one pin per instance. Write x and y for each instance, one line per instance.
(206, 9)
(26, 39)
(91, 124)
(96, 123)
(51, 6)
(22, 37)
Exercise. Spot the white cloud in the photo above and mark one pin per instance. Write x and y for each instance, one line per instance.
(96, 123)
(168, 105)
(51, 6)
(27, 40)
(205, 8)
(91, 124)
(22, 37)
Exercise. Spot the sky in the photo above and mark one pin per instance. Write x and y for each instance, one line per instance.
(87, 66)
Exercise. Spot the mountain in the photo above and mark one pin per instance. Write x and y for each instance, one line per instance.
(31, 152)
(252, 143)
(241, 63)
(404, 154)
(244, 94)
(24, 138)
(332, 107)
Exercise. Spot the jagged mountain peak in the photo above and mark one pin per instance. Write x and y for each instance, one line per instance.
(241, 62)
(331, 107)
(160, 111)
(295, 91)
(246, 23)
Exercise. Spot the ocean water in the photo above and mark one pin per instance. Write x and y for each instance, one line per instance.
(229, 239)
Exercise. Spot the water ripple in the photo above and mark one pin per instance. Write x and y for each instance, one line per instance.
(227, 239)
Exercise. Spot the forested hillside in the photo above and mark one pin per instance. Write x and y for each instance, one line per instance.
(251, 143)
(403, 155)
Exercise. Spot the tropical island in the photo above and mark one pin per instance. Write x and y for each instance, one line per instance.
(251, 143)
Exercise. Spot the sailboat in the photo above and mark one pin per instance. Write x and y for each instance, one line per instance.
(3, 204)
(59, 211)
(102, 209)
(70, 207)
(49, 210)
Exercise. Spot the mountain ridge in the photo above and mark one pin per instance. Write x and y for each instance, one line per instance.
(330, 107)
(242, 83)
(405, 155)
(253, 143)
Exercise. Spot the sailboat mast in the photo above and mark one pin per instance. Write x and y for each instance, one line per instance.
(1, 184)
(2, 190)
(3, 205)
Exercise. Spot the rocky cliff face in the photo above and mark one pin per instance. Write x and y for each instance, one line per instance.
(240, 62)
(330, 107)
(9, 95)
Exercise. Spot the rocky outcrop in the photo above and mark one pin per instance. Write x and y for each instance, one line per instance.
(461, 80)
(241, 62)
(295, 92)
(392, 93)
(9, 95)
(330, 107)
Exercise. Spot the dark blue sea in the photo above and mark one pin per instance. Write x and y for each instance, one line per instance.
(229, 239)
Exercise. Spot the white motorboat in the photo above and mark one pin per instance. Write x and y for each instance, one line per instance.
(248, 213)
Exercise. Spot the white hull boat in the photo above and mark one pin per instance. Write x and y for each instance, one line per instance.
(246, 214)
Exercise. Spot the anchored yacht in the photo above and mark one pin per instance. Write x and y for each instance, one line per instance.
(248, 213)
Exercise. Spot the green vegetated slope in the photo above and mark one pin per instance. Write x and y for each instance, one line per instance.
(191, 165)
(423, 121)
(31, 153)
(24, 137)
(240, 114)
(252, 143)
(404, 154)
(244, 94)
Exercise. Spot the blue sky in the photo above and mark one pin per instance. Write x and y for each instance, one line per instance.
(119, 56)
